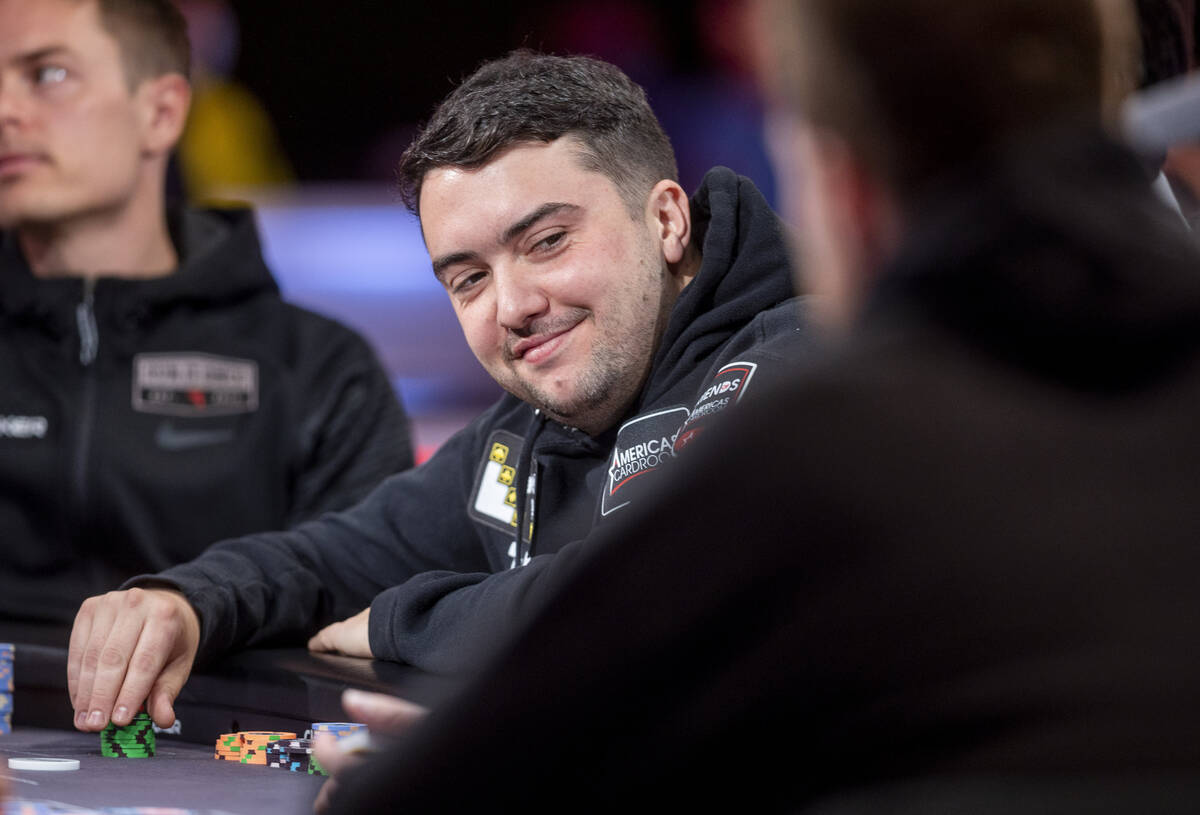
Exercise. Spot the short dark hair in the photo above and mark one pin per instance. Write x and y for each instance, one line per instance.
(152, 36)
(531, 97)
(919, 87)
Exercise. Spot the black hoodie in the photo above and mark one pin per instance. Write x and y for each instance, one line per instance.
(433, 550)
(141, 420)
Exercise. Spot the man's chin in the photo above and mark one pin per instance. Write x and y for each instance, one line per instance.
(21, 214)
(564, 411)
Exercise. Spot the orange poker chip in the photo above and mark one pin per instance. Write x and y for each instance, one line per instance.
(261, 738)
(248, 746)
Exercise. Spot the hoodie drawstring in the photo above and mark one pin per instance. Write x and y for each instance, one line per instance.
(527, 492)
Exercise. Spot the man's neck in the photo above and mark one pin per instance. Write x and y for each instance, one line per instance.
(126, 244)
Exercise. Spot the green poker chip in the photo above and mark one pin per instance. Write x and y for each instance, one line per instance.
(135, 740)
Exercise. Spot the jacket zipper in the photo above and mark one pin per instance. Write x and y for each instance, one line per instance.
(89, 346)
(522, 547)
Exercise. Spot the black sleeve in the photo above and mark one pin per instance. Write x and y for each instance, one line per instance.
(447, 622)
(283, 586)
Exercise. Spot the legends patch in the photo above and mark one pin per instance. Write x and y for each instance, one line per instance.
(644, 445)
(194, 384)
(724, 389)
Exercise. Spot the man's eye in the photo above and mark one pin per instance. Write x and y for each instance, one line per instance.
(550, 241)
(49, 74)
(467, 282)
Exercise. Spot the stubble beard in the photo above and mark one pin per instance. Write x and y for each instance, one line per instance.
(608, 384)
(598, 395)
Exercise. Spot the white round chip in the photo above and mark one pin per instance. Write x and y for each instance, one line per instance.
(43, 764)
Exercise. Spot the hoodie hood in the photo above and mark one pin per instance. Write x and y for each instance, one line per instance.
(1060, 260)
(744, 271)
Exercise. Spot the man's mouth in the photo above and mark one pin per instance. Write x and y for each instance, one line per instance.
(545, 340)
(16, 162)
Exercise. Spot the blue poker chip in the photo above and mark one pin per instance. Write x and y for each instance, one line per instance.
(338, 729)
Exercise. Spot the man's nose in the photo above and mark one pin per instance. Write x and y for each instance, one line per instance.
(12, 105)
(519, 298)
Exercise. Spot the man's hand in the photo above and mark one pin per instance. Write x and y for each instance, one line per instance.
(348, 637)
(382, 714)
(130, 647)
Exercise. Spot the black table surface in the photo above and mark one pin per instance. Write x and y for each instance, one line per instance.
(276, 689)
(180, 775)
(258, 689)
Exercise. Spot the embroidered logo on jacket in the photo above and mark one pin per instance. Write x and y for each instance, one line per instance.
(23, 427)
(175, 439)
(194, 384)
(644, 444)
(494, 500)
(724, 389)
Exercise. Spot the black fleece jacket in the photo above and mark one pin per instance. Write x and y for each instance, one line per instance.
(142, 420)
(433, 551)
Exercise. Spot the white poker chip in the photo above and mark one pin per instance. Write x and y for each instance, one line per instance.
(43, 764)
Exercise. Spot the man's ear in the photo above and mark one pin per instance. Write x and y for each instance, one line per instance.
(163, 103)
(875, 216)
(864, 206)
(670, 215)
(849, 226)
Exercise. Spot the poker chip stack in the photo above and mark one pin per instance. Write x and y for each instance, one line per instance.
(249, 746)
(136, 740)
(6, 686)
(295, 755)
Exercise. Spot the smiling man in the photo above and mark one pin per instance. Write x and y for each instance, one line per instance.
(158, 394)
(621, 317)
(560, 299)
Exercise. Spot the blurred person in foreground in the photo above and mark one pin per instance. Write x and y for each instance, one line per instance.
(158, 394)
(956, 570)
(624, 320)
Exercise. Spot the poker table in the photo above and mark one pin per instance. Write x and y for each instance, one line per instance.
(277, 689)
(181, 775)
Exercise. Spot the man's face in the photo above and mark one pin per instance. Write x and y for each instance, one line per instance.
(561, 292)
(70, 129)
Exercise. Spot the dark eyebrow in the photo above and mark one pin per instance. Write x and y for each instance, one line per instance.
(509, 235)
(545, 210)
(42, 53)
(445, 261)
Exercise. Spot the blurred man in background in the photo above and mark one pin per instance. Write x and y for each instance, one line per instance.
(158, 395)
(956, 569)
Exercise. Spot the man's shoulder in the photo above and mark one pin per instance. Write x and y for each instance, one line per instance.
(784, 333)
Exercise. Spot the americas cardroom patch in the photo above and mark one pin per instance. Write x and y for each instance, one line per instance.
(644, 445)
